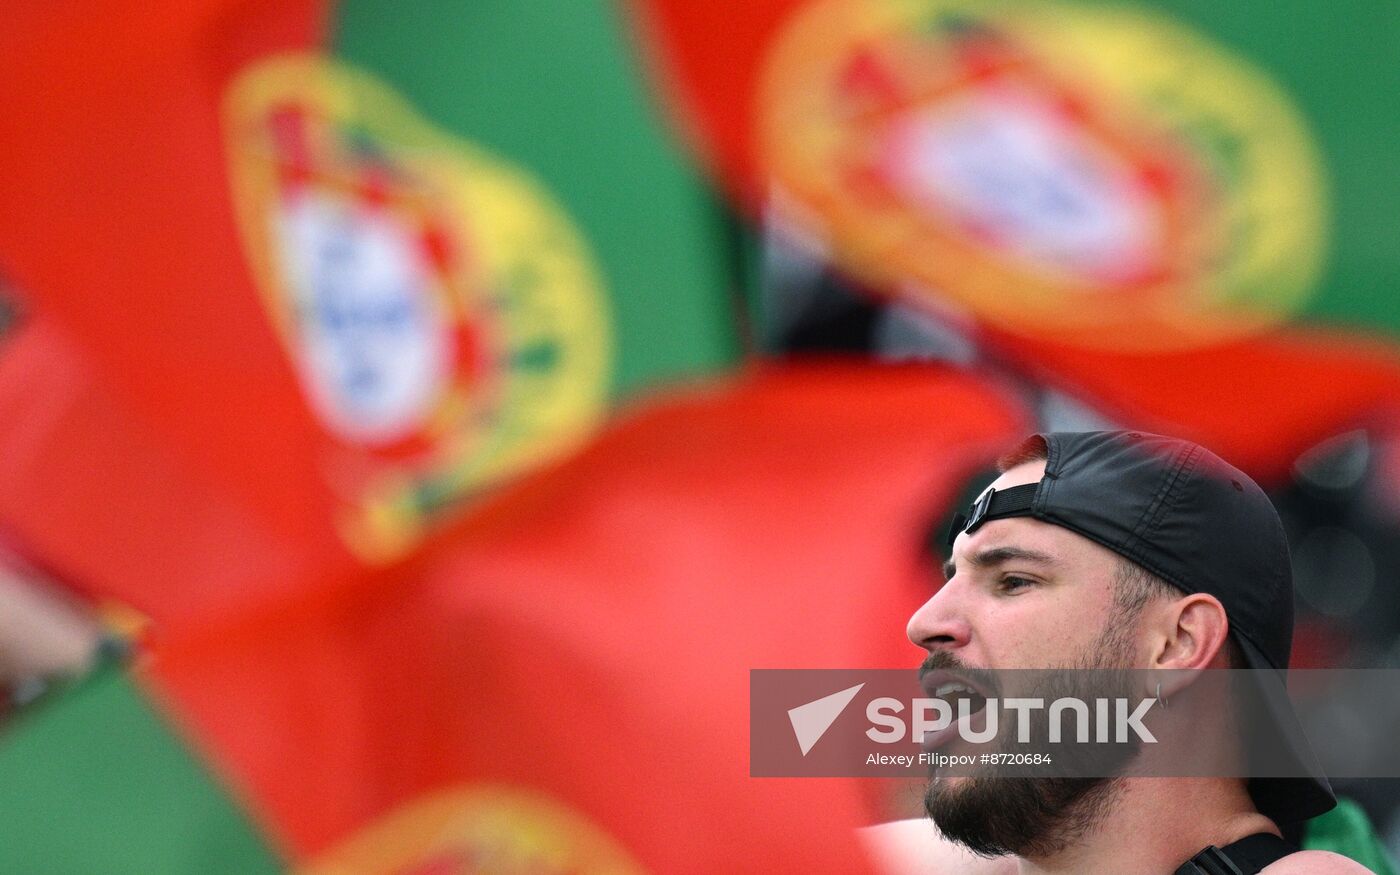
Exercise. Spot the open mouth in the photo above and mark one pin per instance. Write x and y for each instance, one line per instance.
(965, 698)
(963, 694)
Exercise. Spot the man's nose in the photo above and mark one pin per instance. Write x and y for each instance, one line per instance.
(940, 623)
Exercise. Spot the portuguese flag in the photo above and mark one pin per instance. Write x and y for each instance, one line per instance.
(731, 71)
(563, 682)
(293, 294)
(355, 270)
(1123, 204)
(545, 688)
(293, 289)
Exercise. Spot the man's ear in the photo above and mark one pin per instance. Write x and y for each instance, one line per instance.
(1189, 632)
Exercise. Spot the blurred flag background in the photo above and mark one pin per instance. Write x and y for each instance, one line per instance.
(434, 410)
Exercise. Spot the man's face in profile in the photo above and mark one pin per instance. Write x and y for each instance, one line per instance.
(1021, 593)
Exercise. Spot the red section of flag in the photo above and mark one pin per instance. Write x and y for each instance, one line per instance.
(116, 220)
(588, 634)
(708, 58)
(1259, 402)
(94, 493)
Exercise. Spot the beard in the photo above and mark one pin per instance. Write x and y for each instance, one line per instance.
(1025, 816)
(1031, 816)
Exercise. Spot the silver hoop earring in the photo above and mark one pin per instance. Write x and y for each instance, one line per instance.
(1160, 700)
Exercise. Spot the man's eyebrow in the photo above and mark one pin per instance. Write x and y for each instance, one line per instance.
(998, 555)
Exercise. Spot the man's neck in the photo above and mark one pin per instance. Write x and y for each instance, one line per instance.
(1155, 825)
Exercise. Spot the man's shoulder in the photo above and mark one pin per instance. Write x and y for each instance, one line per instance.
(1315, 863)
(915, 847)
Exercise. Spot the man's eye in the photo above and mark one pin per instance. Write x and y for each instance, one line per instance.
(1012, 583)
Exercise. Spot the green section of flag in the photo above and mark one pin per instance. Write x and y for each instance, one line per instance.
(1346, 830)
(556, 88)
(1340, 64)
(92, 781)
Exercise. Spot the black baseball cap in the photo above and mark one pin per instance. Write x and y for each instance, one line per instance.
(1187, 516)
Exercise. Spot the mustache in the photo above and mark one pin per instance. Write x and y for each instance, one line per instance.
(942, 660)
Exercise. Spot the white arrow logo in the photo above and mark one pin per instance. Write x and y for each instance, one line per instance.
(811, 721)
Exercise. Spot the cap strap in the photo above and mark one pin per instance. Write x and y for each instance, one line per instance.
(994, 505)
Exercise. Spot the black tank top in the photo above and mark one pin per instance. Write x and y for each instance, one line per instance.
(1244, 857)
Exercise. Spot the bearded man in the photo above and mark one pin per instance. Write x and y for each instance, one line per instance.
(1118, 550)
